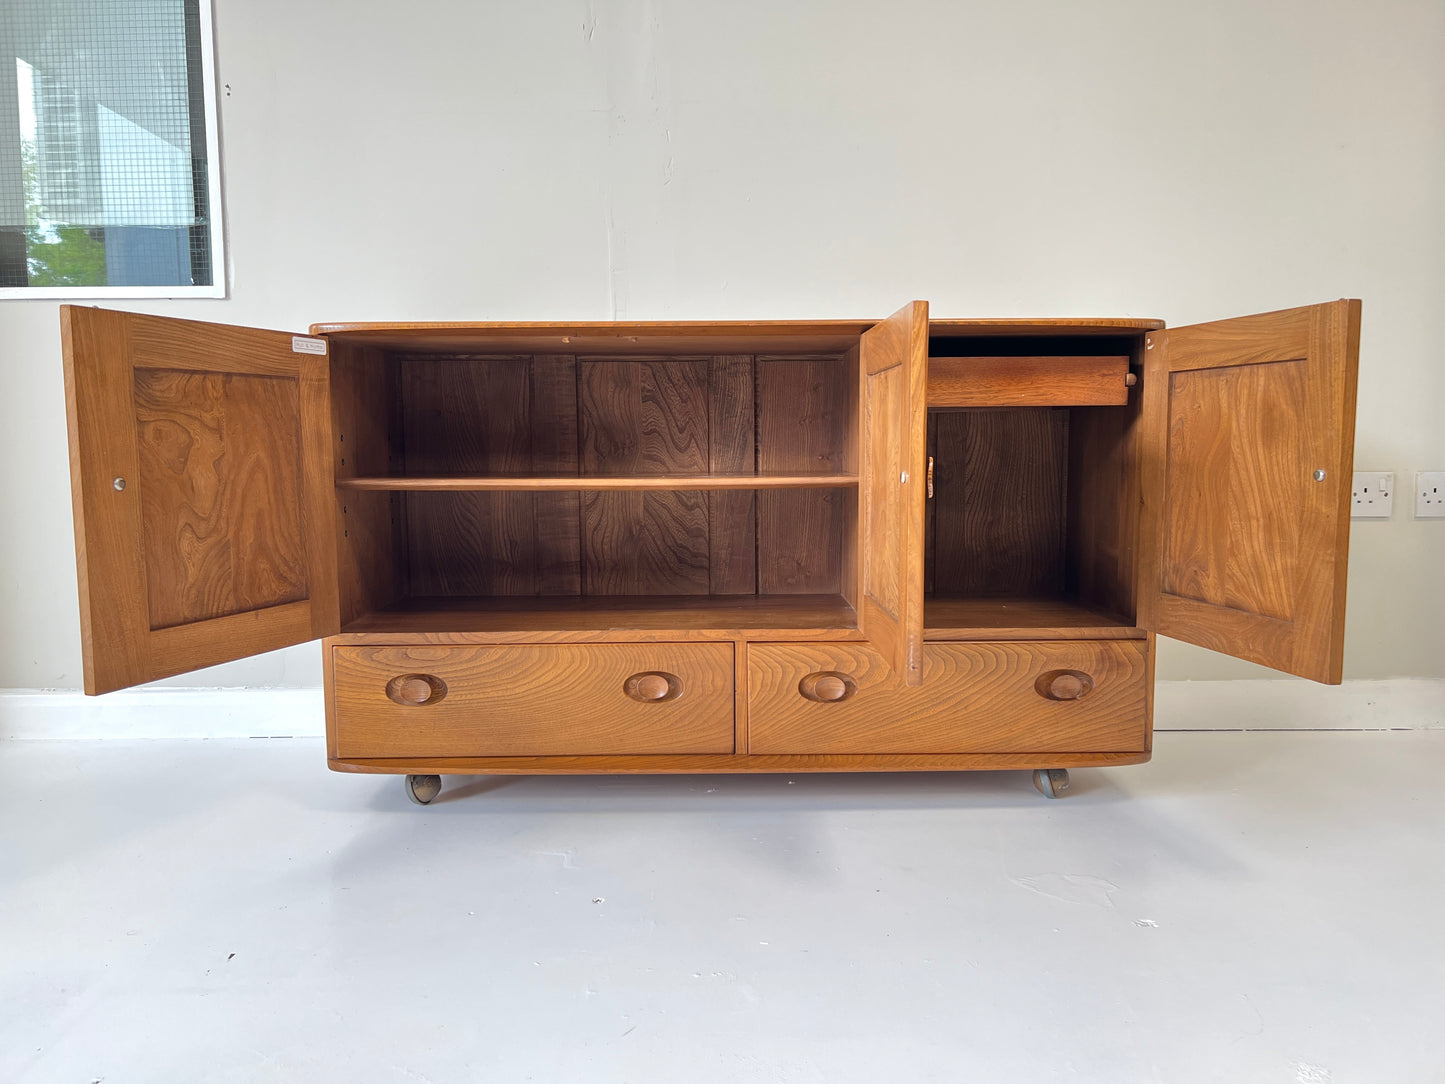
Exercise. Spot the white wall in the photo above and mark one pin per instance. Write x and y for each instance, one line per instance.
(758, 159)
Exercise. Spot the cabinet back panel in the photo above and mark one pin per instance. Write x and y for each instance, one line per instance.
(804, 408)
(644, 417)
(999, 501)
(564, 415)
(638, 542)
(732, 448)
(1100, 552)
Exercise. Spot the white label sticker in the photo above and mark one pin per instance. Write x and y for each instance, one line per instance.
(300, 344)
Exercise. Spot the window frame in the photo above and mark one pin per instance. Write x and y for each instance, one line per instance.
(217, 288)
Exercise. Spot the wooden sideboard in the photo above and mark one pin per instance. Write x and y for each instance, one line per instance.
(715, 547)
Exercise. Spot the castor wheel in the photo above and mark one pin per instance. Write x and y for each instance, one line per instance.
(421, 789)
(1051, 782)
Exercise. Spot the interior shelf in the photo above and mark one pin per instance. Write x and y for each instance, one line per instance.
(1022, 619)
(604, 613)
(570, 482)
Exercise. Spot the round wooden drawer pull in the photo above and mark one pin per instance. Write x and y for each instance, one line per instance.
(1064, 685)
(827, 686)
(653, 686)
(412, 690)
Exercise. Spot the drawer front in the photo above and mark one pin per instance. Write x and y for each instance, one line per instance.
(533, 700)
(1061, 696)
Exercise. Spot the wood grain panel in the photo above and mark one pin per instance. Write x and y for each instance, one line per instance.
(467, 415)
(1246, 464)
(1232, 462)
(1101, 542)
(732, 449)
(975, 698)
(505, 417)
(533, 700)
(645, 543)
(556, 517)
(648, 417)
(893, 372)
(621, 617)
(999, 491)
(1027, 381)
(1022, 619)
(802, 425)
(470, 416)
(370, 542)
(221, 495)
(121, 641)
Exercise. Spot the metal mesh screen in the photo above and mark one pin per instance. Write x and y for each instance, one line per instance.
(103, 172)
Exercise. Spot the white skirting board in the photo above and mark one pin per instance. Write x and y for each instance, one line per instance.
(163, 713)
(1288, 704)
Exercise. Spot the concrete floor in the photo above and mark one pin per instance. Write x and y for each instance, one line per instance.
(1249, 906)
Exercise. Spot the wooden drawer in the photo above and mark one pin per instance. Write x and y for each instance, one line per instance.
(533, 700)
(975, 698)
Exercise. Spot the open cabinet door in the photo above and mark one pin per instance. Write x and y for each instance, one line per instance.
(200, 472)
(893, 374)
(1248, 449)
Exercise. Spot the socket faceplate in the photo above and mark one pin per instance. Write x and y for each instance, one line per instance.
(1374, 495)
(1430, 494)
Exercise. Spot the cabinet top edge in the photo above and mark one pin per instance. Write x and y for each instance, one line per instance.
(942, 326)
(690, 336)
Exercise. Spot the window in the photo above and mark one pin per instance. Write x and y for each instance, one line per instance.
(109, 178)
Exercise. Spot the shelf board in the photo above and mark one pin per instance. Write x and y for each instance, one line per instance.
(727, 614)
(460, 483)
(1022, 619)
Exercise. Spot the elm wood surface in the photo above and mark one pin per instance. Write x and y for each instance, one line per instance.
(221, 495)
(576, 483)
(1102, 502)
(651, 437)
(998, 519)
(1245, 549)
(732, 516)
(893, 368)
(370, 527)
(628, 616)
(531, 700)
(706, 764)
(226, 432)
(645, 417)
(1022, 619)
(803, 423)
(1027, 381)
(791, 617)
(683, 337)
(975, 698)
(503, 416)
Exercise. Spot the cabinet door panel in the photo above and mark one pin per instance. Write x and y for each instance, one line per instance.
(893, 374)
(200, 472)
(1246, 475)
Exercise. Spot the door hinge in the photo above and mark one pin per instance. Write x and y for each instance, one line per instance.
(930, 477)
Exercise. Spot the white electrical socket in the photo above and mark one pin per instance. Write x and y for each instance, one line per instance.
(1430, 494)
(1374, 495)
